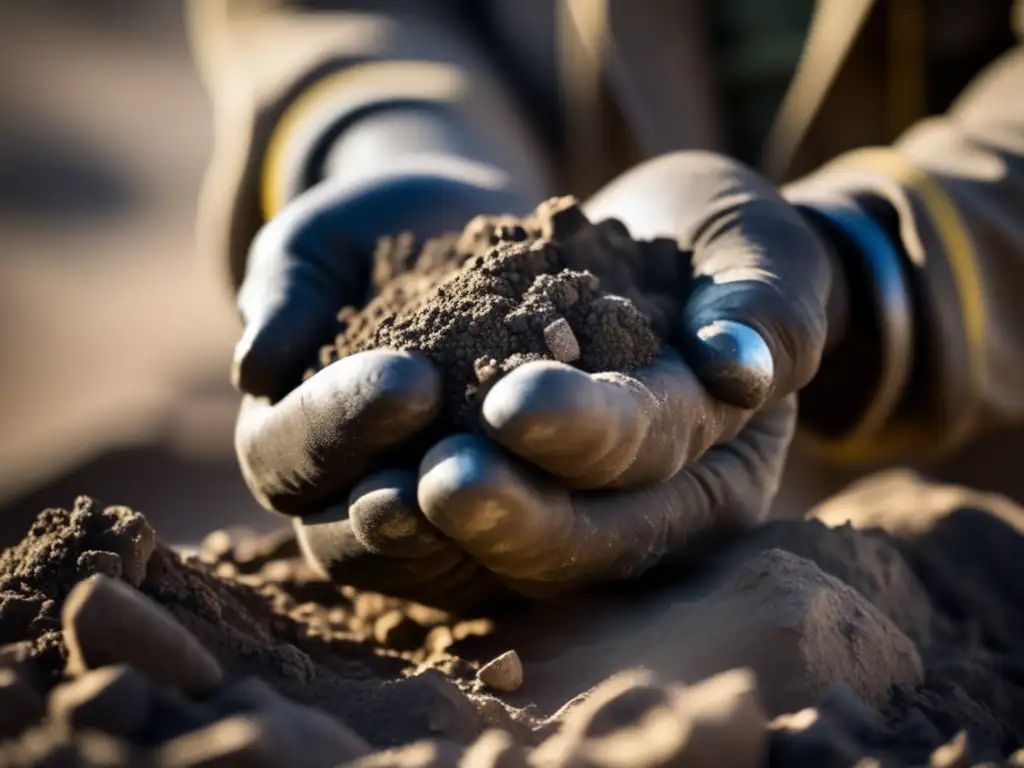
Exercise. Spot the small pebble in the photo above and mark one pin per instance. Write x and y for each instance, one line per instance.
(485, 368)
(94, 561)
(108, 622)
(115, 700)
(504, 673)
(136, 542)
(562, 341)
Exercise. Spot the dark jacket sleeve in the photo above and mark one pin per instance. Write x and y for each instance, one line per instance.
(285, 82)
(951, 194)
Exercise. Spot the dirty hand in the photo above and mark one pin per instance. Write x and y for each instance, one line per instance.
(587, 478)
(303, 445)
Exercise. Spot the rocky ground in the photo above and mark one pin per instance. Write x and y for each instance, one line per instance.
(887, 626)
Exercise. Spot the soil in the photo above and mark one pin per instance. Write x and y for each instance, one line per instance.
(890, 625)
(482, 302)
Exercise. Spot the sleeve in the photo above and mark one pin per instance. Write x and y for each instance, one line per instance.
(285, 83)
(949, 198)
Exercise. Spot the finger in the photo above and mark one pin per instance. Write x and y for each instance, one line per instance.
(532, 532)
(314, 258)
(490, 505)
(330, 431)
(754, 326)
(761, 275)
(380, 540)
(446, 579)
(386, 519)
(301, 270)
(608, 430)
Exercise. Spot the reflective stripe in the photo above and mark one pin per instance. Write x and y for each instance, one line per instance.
(271, 183)
(341, 92)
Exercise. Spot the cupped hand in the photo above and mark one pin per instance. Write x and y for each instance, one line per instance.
(592, 478)
(334, 447)
(582, 478)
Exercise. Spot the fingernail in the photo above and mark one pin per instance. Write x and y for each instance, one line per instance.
(736, 362)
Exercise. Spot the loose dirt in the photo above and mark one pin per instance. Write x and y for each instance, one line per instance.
(863, 632)
(506, 291)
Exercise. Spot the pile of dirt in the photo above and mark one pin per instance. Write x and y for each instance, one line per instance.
(505, 291)
(800, 644)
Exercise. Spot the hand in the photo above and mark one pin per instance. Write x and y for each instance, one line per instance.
(304, 447)
(758, 265)
(603, 476)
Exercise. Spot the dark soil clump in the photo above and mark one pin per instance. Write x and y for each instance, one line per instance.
(507, 291)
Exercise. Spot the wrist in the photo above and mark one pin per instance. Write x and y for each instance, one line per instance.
(868, 365)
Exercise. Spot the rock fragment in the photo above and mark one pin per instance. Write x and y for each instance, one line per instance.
(114, 700)
(485, 369)
(107, 622)
(561, 341)
(94, 561)
(136, 541)
(20, 703)
(504, 673)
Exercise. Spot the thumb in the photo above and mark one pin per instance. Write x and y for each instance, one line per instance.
(302, 268)
(754, 325)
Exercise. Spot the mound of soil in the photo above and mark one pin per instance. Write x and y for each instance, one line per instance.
(505, 291)
(897, 637)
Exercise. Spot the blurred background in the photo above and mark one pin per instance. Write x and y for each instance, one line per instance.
(115, 339)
